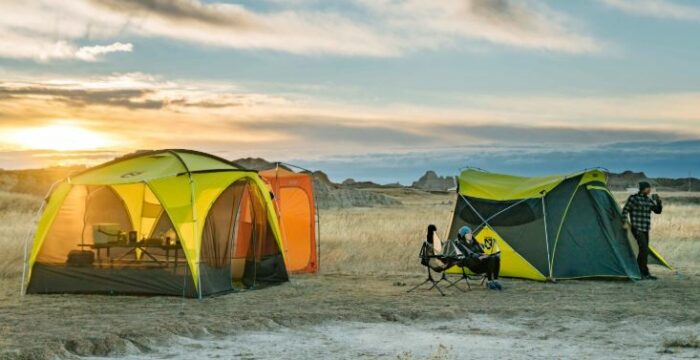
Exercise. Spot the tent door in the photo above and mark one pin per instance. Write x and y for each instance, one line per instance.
(296, 224)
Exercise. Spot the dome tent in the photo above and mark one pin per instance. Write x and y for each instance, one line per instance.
(161, 222)
(548, 227)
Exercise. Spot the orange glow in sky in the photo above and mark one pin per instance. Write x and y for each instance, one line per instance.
(61, 136)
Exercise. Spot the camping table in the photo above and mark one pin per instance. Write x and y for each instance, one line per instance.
(132, 250)
(137, 246)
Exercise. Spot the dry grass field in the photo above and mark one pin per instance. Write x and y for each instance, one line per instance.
(17, 212)
(387, 240)
(357, 307)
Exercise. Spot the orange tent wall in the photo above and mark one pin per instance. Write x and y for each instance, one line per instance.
(296, 209)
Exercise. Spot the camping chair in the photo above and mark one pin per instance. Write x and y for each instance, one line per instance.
(435, 260)
(490, 248)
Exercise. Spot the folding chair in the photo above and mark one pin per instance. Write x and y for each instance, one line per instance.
(434, 260)
(473, 276)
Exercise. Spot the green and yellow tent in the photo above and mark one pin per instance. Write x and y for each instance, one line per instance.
(167, 222)
(548, 227)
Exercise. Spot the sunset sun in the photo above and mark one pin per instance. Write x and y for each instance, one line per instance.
(59, 137)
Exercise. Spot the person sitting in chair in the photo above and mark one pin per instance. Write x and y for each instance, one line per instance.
(476, 260)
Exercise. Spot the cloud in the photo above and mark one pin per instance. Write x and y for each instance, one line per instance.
(530, 25)
(42, 49)
(340, 131)
(133, 91)
(47, 31)
(656, 8)
(92, 53)
(394, 27)
(556, 135)
(144, 111)
(127, 98)
(185, 11)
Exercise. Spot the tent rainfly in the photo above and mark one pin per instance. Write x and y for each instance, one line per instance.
(165, 222)
(551, 227)
(296, 207)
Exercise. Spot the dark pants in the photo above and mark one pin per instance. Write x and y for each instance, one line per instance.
(643, 242)
(490, 266)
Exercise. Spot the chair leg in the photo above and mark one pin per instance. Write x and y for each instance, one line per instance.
(430, 279)
(417, 286)
(463, 277)
(466, 279)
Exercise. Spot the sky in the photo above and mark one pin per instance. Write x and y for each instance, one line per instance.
(376, 90)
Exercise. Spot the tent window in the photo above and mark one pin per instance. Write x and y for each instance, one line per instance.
(523, 213)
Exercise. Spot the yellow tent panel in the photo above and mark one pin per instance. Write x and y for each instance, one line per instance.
(512, 263)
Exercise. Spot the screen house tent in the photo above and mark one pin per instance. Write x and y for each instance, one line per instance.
(166, 222)
(550, 227)
(296, 207)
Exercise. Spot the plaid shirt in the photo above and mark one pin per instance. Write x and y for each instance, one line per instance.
(639, 208)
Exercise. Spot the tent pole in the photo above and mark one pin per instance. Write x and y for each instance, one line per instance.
(277, 200)
(546, 234)
(194, 236)
(30, 234)
(318, 234)
(255, 243)
(194, 218)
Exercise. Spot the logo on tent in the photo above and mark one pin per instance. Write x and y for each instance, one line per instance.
(132, 174)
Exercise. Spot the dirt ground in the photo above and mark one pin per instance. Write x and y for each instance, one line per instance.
(338, 317)
(358, 307)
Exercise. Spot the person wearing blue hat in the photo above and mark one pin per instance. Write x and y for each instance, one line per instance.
(477, 260)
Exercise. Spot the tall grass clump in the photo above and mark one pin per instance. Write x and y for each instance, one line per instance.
(17, 215)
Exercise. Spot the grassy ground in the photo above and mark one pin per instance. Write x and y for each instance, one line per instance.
(387, 240)
(17, 212)
(368, 258)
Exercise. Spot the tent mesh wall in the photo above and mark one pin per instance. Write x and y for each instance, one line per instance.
(70, 260)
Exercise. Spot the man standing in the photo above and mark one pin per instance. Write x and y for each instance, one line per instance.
(639, 207)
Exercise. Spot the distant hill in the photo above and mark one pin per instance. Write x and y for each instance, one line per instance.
(349, 193)
(34, 181)
(351, 183)
(258, 164)
(430, 181)
(631, 179)
(332, 195)
(329, 194)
